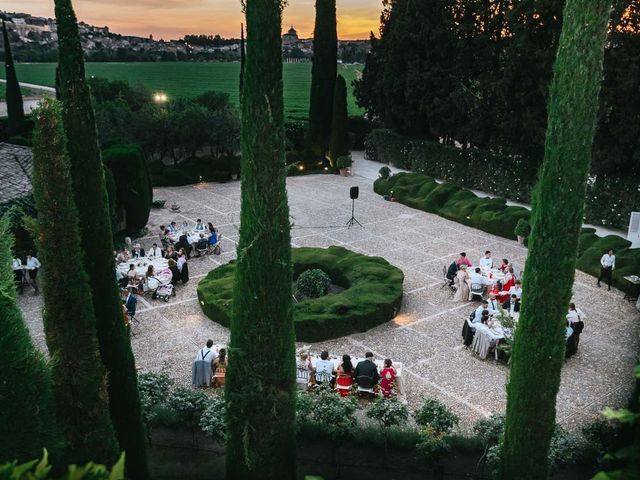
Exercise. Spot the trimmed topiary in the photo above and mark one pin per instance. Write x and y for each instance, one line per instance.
(523, 229)
(384, 172)
(313, 283)
(372, 295)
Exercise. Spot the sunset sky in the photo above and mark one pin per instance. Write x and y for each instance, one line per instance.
(174, 18)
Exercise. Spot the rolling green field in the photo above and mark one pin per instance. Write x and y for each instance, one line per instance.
(188, 79)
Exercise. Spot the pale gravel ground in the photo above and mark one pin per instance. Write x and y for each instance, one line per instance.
(425, 336)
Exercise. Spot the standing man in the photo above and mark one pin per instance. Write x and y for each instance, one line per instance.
(201, 370)
(607, 265)
(33, 264)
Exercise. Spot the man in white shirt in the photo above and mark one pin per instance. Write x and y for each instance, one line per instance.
(155, 251)
(201, 370)
(32, 266)
(137, 251)
(484, 307)
(16, 265)
(516, 290)
(199, 226)
(173, 228)
(493, 304)
(486, 262)
(324, 366)
(477, 278)
(607, 266)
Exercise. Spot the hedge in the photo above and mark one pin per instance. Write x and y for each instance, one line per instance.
(134, 192)
(208, 169)
(372, 295)
(499, 174)
(492, 215)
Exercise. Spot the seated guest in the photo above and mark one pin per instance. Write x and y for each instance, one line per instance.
(493, 289)
(451, 272)
(137, 251)
(202, 243)
(463, 260)
(367, 376)
(303, 365)
(210, 227)
(183, 244)
(131, 274)
(121, 278)
(199, 226)
(516, 290)
(344, 378)
(130, 301)
(504, 265)
(124, 256)
(476, 278)
(171, 254)
(508, 282)
(173, 228)
(175, 272)
(324, 368)
(493, 304)
(486, 262)
(220, 369)
(18, 271)
(483, 327)
(387, 379)
(478, 312)
(512, 305)
(201, 369)
(155, 252)
(183, 266)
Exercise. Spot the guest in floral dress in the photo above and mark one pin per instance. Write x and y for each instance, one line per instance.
(387, 379)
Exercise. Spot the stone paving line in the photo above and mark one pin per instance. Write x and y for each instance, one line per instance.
(425, 335)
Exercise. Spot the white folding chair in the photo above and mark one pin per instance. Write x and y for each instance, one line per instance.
(477, 291)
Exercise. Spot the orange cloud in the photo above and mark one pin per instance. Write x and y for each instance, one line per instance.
(175, 18)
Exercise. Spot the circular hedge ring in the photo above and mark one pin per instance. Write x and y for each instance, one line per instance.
(372, 295)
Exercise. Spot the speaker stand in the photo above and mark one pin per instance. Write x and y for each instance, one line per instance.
(352, 221)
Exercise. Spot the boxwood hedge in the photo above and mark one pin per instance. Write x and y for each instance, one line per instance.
(492, 215)
(372, 295)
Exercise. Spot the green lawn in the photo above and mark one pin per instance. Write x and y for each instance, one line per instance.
(188, 79)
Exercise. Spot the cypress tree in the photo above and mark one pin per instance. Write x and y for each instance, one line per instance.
(242, 57)
(323, 76)
(69, 320)
(15, 108)
(27, 409)
(97, 242)
(558, 199)
(339, 144)
(261, 376)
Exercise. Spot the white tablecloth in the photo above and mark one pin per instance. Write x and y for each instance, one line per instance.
(142, 263)
(354, 360)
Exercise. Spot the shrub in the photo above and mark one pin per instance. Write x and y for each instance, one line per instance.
(491, 429)
(158, 203)
(335, 413)
(40, 470)
(188, 405)
(212, 421)
(523, 229)
(388, 412)
(372, 295)
(385, 172)
(344, 161)
(313, 283)
(437, 416)
(386, 146)
(154, 389)
(304, 407)
(134, 192)
(431, 445)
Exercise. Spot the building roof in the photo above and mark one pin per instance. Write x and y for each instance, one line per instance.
(16, 164)
(292, 31)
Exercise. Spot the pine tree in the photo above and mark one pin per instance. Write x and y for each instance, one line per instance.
(15, 108)
(339, 144)
(323, 76)
(558, 199)
(27, 408)
(97, 241)
(69, 320)
(261, 376)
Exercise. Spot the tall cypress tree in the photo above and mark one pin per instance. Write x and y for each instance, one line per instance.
(242, 57)
(339, 144)
(27, 408)
(69, 320)
(15, 108)
(97, 241)
(558, 199)
(261, 377)
(323, 76)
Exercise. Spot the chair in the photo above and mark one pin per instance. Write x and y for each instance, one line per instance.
(477, 291)
(446, 281)
(468, 332)
(302, 374)
(202, 250)
(365, 385)
(481, 344)
(344, 384)
(323, 377)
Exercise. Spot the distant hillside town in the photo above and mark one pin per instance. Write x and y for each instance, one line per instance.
(33, 39)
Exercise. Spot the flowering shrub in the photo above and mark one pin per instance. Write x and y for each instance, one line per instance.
(154, 389)
(436, 415)
(188, 404)
(313, 283)
(212, 421)
(388, 412)
(335, 413)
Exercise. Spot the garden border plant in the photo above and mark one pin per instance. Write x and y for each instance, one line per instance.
(372, 295)
(492, 215)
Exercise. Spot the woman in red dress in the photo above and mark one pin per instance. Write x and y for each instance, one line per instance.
(508, 282)
(387, 379)
(344, 380)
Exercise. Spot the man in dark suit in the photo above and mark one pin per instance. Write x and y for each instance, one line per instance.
(367, 375)
(137, 251)
(130, 302)
(512, 305)
(452, 271)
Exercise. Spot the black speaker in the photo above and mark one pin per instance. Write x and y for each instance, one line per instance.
(353, 193)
